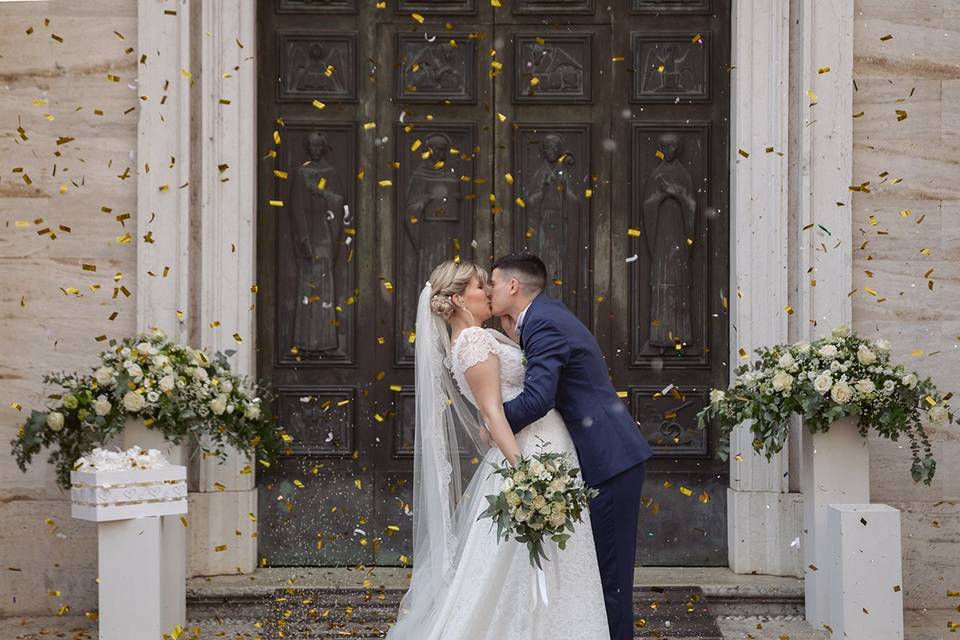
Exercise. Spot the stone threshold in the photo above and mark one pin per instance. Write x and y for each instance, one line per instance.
(378, 590)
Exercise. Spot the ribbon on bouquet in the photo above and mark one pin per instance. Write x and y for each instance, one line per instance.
(541, 586)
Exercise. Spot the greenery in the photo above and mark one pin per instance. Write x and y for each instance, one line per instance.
(540, 497)
(180, 391)
(837, 376)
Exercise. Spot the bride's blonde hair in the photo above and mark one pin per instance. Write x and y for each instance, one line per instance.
(452, 278)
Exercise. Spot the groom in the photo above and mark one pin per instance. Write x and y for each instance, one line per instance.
(566, 370)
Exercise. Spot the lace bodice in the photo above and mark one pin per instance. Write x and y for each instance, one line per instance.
(473, 346)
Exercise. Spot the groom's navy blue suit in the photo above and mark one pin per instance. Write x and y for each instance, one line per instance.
(566, 371)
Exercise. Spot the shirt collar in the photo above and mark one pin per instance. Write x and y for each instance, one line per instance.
(522, 314)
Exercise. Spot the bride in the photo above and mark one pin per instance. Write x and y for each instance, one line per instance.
(466, 584)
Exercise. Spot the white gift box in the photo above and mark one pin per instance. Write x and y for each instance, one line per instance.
(101, 496)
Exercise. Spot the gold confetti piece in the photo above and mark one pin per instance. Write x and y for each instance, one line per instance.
(358, 483)
(219, 486)
(789, 310)
(901, 115)
(696, 39)
(186, 74)
(369, 125)
(319, 105)
(184, 521)
(39, 102)
(113, 78)
(925, 252)
(298, 484)
(617, 59)
(742, 353)
(635, 233)
(622, 394)
(220, 547)
(917, 353)
(280, 174)
(886, 37)
(812, 96)
(521, 203)
(417, 17)
(588, 193)
(660, 155)
(534, 81)
(858, 114)
(685, 491)
(276, 203)
(823, 70)
(501, 117)
(743, 153)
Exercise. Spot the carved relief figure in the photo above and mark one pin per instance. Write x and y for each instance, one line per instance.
(435, 68)
(434, 197)
(552, 197)
(317, 70)
(669, 221)
(555, 69)
(317, 199)
(676, 75)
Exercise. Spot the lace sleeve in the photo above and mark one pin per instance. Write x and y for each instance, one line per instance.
(473, 346)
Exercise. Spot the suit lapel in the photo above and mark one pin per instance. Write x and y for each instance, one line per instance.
(530, 312)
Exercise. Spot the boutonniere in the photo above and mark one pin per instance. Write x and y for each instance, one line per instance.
(523, 357)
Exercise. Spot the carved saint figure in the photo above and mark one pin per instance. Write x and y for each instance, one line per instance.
(317, 199)
(434, 68)
(669, 226)
(666, 71)
(318, 70)
(552, 198)
(555, 69)
(431, 214)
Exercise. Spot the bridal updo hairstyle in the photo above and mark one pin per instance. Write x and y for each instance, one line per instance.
(451, 278)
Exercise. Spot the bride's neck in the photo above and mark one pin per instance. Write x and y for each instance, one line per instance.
(458, 323)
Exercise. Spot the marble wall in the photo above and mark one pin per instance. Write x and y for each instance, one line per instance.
(63, 204)
(906, 235)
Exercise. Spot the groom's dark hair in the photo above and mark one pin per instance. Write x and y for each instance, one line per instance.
(526, 267)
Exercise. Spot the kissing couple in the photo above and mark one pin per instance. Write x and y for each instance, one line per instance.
(485, 398)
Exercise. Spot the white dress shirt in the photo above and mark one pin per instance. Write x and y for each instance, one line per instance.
(520, 318)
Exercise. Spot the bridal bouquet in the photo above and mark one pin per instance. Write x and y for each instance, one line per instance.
(834, 377)
(177, 390)
(541, 497)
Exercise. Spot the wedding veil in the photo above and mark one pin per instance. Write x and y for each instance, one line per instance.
(447, 458)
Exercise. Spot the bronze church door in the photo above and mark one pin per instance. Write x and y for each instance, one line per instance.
(395, 137)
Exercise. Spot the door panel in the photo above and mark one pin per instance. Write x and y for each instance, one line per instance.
(393, 139)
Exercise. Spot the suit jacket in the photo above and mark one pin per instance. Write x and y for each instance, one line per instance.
(566, 371)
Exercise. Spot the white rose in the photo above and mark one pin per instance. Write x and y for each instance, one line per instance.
(786, 361)
(828, 351)
(102, 406)
(522, 515)
(160, 361)
(153, 396)
(938, 414)
(557, 485)
(865, 356)
(835, 366)
(865, 386)
(55, 420)
(226, 386)
(882, 345)
(125, 352)
(252, 412)
(557, 520)
(219, 404)
(910, 380)
(536, 468)
(513, 498)
(841, 392)
(144, 348)
(803, 347)
(507, 486)
(823, 382)
(200, 374)
(889, 386)
(842, 331)
(716, 396)
(104, 376)
(167, 382)
(133, 401)
(538, 502)
(519, 477)
(782, 381)
(135, 371)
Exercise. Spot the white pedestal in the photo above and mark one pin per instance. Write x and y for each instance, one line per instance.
(866, 598)
(141, 545)
(835, 470)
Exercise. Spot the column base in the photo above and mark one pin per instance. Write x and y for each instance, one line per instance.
(214, 548)
(764, 529)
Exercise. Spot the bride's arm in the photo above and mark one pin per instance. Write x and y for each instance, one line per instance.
(484, 381)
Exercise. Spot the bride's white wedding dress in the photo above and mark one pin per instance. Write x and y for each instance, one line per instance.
(492, 590)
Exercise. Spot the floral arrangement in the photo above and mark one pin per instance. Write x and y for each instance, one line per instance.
(836, 376)
(540, 497)
(129, 460)
(178, 390)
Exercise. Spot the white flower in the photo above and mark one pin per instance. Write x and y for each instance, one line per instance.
(219, 404)
(507, 486)
(153, 396)
(882, 345)
(55, 420)
(865, 356)
(226, 386)
(513, 498)
(842, 331)
(716, 396)
(519, 477)
(167, 382)
(157, 332)
(803, 347)
(104, 376)
(102, 406)
(910, 380)
(133, 401)
(536, 468)
(125, 352)
(835, 366)
(135, 371)
(160, 361)
(889, 386)
(823, 382)
(556, 485)
(782, 381)
(522, 514)
(938, 414)
(538, 502)
(841, 392)
(786, 361)
(865, 386)
(200, 374)
(828, 351)
(252, 412)
(557, 520)
(144, 348)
